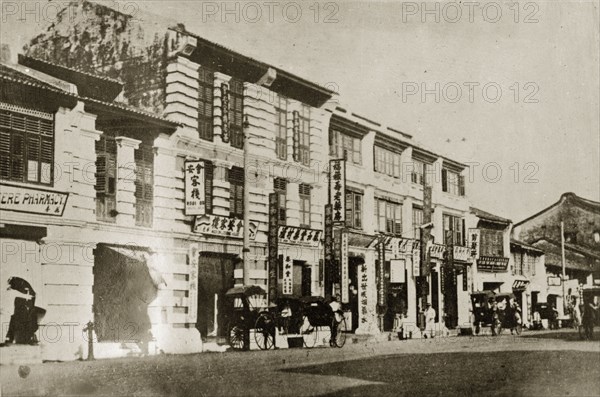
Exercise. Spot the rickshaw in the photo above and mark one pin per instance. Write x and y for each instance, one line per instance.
(247, 302)
(306, 316)
(493, 310)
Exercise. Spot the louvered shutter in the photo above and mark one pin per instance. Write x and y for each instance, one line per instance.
(101, 173)
(461, 185)
(17, 156)
(208, 185)
(4, 154)
(444, 180)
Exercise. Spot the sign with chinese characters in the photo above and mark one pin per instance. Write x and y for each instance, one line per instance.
(437, 251)
(288, 276)
(554, 281)
(299, 235)
(195, 203)
(345, 275)
(397, 271)
(364, 282)
(492, 264)
(462, 253)
(225, 112)
(416, 262)
(272, 245)
(193, 253)
(32, 200)
(337, 189)
(381, 293)
(520, 284)
(466, 277)
(328, 248)
(223, 226)
(473, 242)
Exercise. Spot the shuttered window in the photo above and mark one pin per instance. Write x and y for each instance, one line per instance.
(106, 177)
(301, 136)
(386, 162)
(144, 185)
(280, 187)
(26, 148)
(389, 217)
(236, 113)
(304, 192)
(354, 206)
(236, 192)
(453, 183)
(454, 230)
(281, 128)
(205, 103)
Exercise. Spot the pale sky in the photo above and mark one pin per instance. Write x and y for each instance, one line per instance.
(543, 57)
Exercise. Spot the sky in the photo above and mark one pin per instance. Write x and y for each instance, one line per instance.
(512, 89)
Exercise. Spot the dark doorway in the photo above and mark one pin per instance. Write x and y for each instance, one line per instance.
(306, 280)
(450, 297)
(435, 298)
(215, 277)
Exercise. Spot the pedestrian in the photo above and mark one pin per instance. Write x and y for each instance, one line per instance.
(336, 308)
(429, 320)
(589, 318)
(18, 306)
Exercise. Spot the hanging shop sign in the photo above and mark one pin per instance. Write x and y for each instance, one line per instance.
(223, 226)
(437, 251)
(32, 200)
(397, 272)
(328, 249)
(466, 278)
(273, 245)
(493, 264)
(288, 276)
(299, 235)
(416, 262)
(337, 189)
(225, 113)
(462, 253)
(520, 284)
(381, 293)
(345, 275)
(364, 282)
(473, 242)
(195, 193)
(554, 281)
(193, 254)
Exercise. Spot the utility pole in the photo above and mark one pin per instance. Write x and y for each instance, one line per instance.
(564, 274)
(246, 241)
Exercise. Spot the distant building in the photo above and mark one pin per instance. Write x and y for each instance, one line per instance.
(581, 218)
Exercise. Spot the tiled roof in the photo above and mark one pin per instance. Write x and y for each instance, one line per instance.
(488, 216)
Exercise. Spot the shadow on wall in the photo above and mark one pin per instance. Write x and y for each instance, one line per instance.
(123, 290)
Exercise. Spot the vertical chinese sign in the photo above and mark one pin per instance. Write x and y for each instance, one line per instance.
(225, 122)
(273, 245)
(328, 248)
(345, 275)
(193, 252)
(426, 232)
(473, 241)
(337, 189)
(195, 198)
(381, 290)
(288, 276)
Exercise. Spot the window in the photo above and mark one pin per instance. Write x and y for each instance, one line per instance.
(518, 263)
(492, 242)
(26, 147)
(304, 191)
(236, 192)
(453, 183)
(144, 185)
(417, 218)
(389, 217)
(236, 113)
(419, 174)
(302, 135)
(340, 143)
(280, 187)
(106, 177)
(454, 230)
(205, 103)
(281, 128)
(387, 162)
(354, 209)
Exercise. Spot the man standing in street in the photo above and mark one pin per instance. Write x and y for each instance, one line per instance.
(429, 320)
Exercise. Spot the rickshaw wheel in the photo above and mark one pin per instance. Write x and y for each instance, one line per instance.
(309, 333)
(264, 332)
(340, 337)
(236, 337)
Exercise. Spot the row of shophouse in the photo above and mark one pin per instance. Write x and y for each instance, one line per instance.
(122, 195)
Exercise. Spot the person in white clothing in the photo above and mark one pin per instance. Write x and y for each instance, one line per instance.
(429, 320)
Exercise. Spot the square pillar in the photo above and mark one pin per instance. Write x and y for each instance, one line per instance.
(126, 170)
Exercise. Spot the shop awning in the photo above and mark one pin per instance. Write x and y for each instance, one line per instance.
(520, 284)
(143, 255)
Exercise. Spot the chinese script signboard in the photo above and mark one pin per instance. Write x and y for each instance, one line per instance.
(473, 242)
(223, 226)
(272, 244)
(337, 189)
(345, 275)
(193, 252)
(288, 276)
(299, 235)
(492, 264)
(195, 203)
